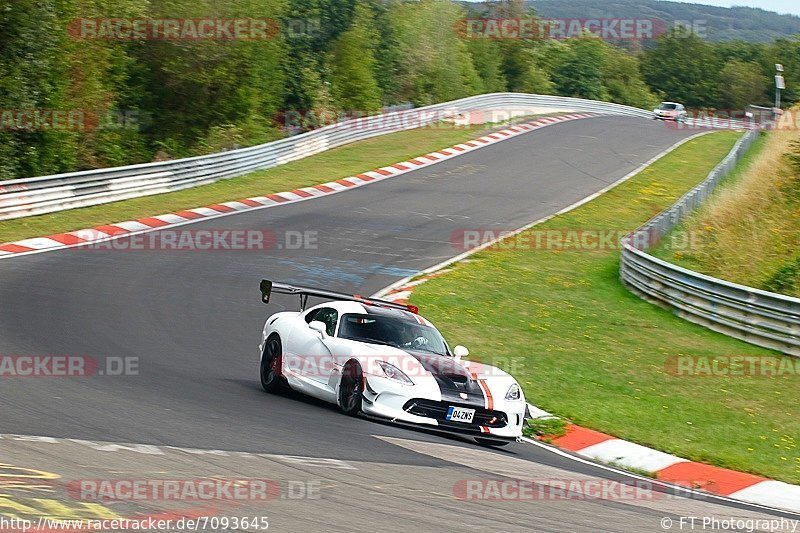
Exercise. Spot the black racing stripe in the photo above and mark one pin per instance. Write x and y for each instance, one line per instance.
(452, 378)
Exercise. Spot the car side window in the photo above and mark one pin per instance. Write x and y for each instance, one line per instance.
(311, 315)
(329, 317)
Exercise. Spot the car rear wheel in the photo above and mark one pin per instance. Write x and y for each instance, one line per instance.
(271, 362)
(351, 388)
(490, 442)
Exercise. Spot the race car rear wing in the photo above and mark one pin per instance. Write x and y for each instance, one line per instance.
(268, 288)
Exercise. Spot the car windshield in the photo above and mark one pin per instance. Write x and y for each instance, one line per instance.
(377, 329)
(668, 107)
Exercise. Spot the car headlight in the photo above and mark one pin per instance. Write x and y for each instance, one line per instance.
(514, 393)
(392, 372)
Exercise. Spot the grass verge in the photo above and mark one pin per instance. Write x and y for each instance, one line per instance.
(328, 166)
(747, 232)
(546, 429)
(585, 348)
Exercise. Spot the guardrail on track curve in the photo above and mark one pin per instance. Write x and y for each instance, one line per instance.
(46, 194)
(759, 317)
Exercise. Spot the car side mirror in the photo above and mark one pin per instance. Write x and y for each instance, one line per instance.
(460, 351)
(319, 327)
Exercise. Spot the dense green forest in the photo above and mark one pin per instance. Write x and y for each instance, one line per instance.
(143, 99)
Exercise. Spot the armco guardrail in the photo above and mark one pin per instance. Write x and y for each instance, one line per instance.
(755, 316)
(35, 196)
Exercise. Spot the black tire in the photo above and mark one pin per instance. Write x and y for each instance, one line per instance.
(491, 442)
(351, 388)
(271, 361)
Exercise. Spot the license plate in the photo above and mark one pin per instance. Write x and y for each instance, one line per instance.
(460, 414)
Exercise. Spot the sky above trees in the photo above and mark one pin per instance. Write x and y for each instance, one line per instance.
(779, 6)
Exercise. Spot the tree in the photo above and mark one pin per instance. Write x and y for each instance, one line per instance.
(534, 80)
(787, 53)
(301, 66)
(684, 68)
(623, 80)
(579, 74)
(352, 63)
(32, 61)
(434, 63)
(387, 53)
(741, 50)
(486, 56)
(191, 97)
(742, 84)
(194, 85)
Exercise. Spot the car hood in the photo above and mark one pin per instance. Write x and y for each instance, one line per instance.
(459, 381)
(456, 383)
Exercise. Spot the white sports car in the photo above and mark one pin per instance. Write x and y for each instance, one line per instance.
(383, 359)
(671, 111)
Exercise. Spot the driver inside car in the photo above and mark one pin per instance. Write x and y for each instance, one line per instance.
(415, 341)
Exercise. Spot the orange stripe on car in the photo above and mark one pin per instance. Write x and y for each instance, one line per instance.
(487, 393)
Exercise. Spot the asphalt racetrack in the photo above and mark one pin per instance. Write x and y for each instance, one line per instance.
(193, 320)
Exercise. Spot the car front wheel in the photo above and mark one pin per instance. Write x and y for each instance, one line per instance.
(271, 362)
(351, 388)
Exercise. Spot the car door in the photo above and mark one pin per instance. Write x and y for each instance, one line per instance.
(294, 339)
(314, 351)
